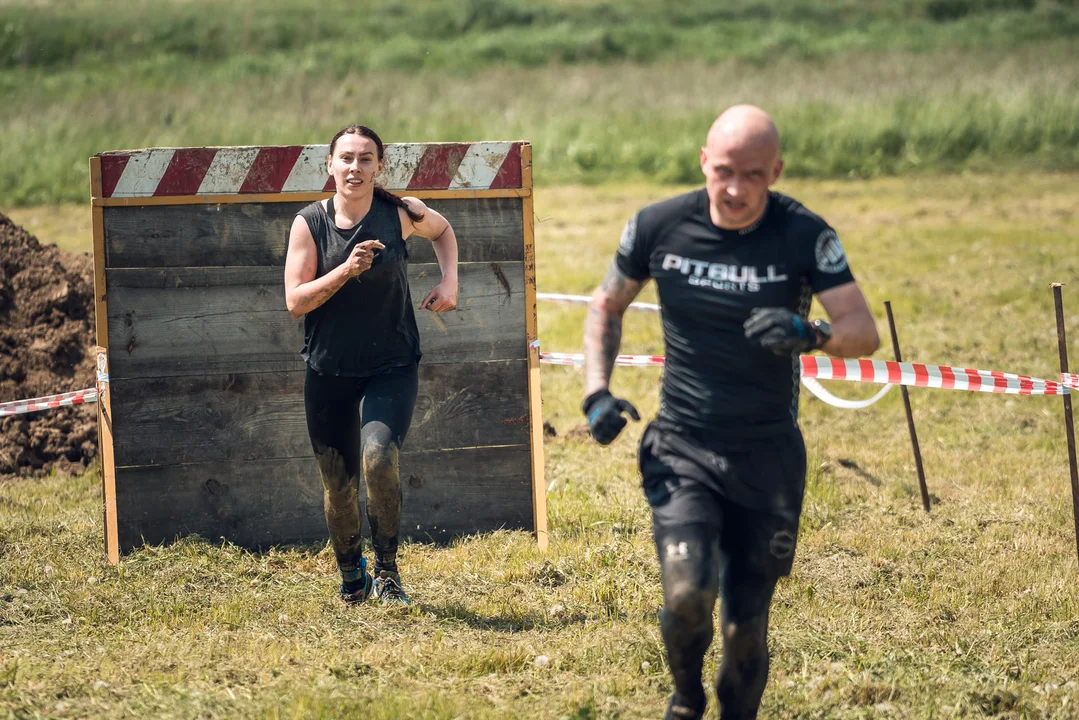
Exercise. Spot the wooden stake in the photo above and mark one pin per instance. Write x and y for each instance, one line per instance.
(1069, 427)
(910, 414)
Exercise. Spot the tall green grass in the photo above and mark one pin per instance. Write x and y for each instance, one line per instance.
(863, 115)
(605, 91)
(471, 34)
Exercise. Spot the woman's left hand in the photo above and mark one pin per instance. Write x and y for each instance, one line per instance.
(442, 299)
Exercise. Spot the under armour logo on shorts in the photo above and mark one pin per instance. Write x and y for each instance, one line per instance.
(679, 550)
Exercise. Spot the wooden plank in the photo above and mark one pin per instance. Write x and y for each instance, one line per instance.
(305, 197)
(487, 322)
(487, 229)
(268, 502)
(192, 321)
(104, 402)
(252, 416)
(535, 413)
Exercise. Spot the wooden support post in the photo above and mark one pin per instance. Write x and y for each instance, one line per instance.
(535, 416)
(104, 398)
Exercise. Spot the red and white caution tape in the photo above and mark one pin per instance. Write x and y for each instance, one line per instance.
(78, 397)
(577, 359)
(584, 300)
(885, 372)
(814, 367)
(934, 376)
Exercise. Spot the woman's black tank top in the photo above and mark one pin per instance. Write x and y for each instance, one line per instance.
(368, 325)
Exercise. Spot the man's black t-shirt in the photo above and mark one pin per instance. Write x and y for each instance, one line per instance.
(716, 383)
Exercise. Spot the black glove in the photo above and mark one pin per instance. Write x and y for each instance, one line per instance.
(781, 331)
(604, 413)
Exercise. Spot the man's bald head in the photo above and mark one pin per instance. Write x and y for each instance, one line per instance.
(740, 161)
(744, 126)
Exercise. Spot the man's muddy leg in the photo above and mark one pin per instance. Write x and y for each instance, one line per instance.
(688, 557)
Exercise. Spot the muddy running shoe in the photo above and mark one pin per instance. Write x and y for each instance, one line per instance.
(679, 709)
(358, 592)
(388, 590)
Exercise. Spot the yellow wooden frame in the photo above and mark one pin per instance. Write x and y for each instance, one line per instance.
(535, 415)
(299, 196)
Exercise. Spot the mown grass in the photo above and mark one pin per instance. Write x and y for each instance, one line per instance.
(605, 91)
(971, 611)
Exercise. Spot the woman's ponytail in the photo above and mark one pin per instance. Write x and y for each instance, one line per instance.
(389, 197)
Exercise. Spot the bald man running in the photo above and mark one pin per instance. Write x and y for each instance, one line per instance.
(723, 465)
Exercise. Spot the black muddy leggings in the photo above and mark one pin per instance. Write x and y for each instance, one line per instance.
(357, 426)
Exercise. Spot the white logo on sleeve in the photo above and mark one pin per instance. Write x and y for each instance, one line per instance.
(830, 256)
(629, 237)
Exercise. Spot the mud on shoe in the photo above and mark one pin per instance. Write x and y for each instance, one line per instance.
(388, 590)
(358, 586)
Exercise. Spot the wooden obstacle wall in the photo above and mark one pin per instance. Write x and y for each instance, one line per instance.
(202, 419)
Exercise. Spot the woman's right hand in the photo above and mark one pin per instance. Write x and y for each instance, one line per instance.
(360, 259)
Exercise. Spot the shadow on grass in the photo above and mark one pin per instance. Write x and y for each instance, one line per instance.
(455, 612)
(857, 469)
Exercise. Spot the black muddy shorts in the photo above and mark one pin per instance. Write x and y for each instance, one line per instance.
(749, 492)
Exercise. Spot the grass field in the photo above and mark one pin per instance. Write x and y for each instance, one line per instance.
(970, 612)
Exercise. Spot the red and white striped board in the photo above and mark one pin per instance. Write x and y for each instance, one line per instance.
(165, 172)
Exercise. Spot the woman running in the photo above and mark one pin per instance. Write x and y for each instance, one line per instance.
(346, 271)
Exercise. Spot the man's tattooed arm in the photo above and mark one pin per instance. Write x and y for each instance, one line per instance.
(603, 327)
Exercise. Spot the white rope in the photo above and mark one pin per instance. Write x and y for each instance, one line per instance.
(817, 389)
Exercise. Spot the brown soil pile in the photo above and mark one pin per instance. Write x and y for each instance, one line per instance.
(46, 348)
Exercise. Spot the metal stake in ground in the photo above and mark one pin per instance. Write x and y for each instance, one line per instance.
(910, 415)
(1069, 428)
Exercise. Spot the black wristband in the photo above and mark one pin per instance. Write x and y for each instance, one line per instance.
(823, 332)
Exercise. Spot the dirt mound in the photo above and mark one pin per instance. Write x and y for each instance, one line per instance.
(46, 347)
